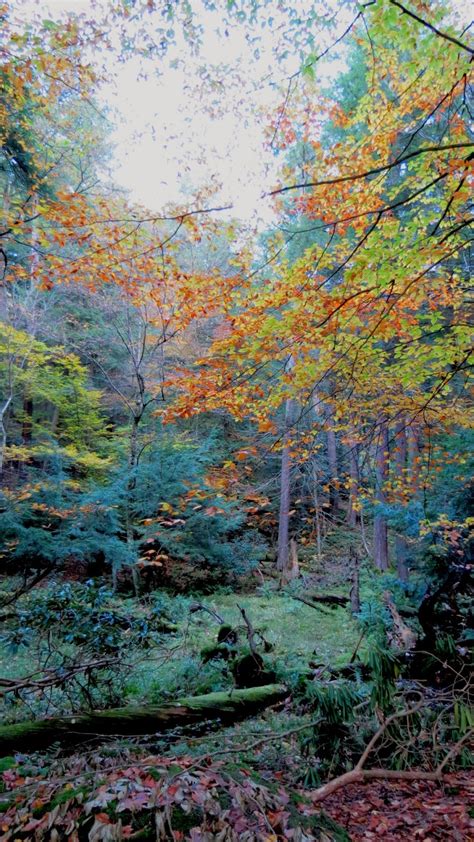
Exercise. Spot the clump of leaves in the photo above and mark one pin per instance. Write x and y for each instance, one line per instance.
(87, 615)
(160, 798)
(332, 744)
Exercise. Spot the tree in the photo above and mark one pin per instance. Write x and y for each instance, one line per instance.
(383, 299)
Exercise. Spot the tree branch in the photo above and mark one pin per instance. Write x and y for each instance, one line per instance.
(430, 26)
(374, 171)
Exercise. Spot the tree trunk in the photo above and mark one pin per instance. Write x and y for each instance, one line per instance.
(380, 522)
(353, 484)
(27, 422)
(131, 485)
(284, 518)
(355, 589)
(334, 500)
(401, 543)
(71, 730)
(293, 566)
(3, 429)
(413, 447)
(315, 482)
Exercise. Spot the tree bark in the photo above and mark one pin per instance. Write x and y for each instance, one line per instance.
(401, 543)
(353, 483)
(27, 422)
(131, 485)
(380, 522)
(3, 429)
(355, 590)
(283, 559)
(413, 447)
(71, 730)
(334, 499)
(315, 482)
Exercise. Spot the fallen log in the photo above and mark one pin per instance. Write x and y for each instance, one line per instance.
(403, 636)
(319, 602)
(226, 707)
(329, 599)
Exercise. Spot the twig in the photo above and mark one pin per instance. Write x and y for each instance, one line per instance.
(198, 606)
(361, 775)
(250, 631)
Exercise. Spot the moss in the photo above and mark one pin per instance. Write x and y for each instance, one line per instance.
(5, 805)
(219, 650)
(250, 671)
(184, 822)
(60, 798)
(133, 720)
(6, 763)
(231, 699)
(227, 634)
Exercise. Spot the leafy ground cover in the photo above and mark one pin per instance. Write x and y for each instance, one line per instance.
(402, 810)
(117, 795)
(295, 631)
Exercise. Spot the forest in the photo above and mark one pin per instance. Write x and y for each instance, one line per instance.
(236, 420)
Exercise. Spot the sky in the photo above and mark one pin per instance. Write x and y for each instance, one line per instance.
(166, 143)
(166, 140)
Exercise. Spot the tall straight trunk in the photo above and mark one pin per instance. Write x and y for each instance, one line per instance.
(317, 513)
(401, 543)
(334, 500)
(353, 484)
(4, 299)
(131, 485)
(355, 587)
(315, 479)
(27, 422)
(3, 430)
(283, 559)
(31, 300)
(380, 521)
(413, 449)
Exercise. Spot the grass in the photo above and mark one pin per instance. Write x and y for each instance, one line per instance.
(294, 628)
(297, 633)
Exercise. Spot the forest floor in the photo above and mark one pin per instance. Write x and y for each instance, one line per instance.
(250, 781)
(116, 793)
(402, 811)
(296, 632)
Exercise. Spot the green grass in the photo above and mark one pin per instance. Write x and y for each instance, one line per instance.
(297, 632)
(294, 628)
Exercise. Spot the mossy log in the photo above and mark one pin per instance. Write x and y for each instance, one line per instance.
(249, 671)
(224, 707)
(217, 650)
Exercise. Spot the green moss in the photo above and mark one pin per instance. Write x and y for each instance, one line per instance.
(231, 699)
(219, 650)
(185, 821)
(6, 763)
(5, 805)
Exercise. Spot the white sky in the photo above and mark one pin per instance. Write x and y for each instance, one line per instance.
(166, 143)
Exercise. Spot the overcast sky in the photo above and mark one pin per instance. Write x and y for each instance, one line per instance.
(166, 143)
